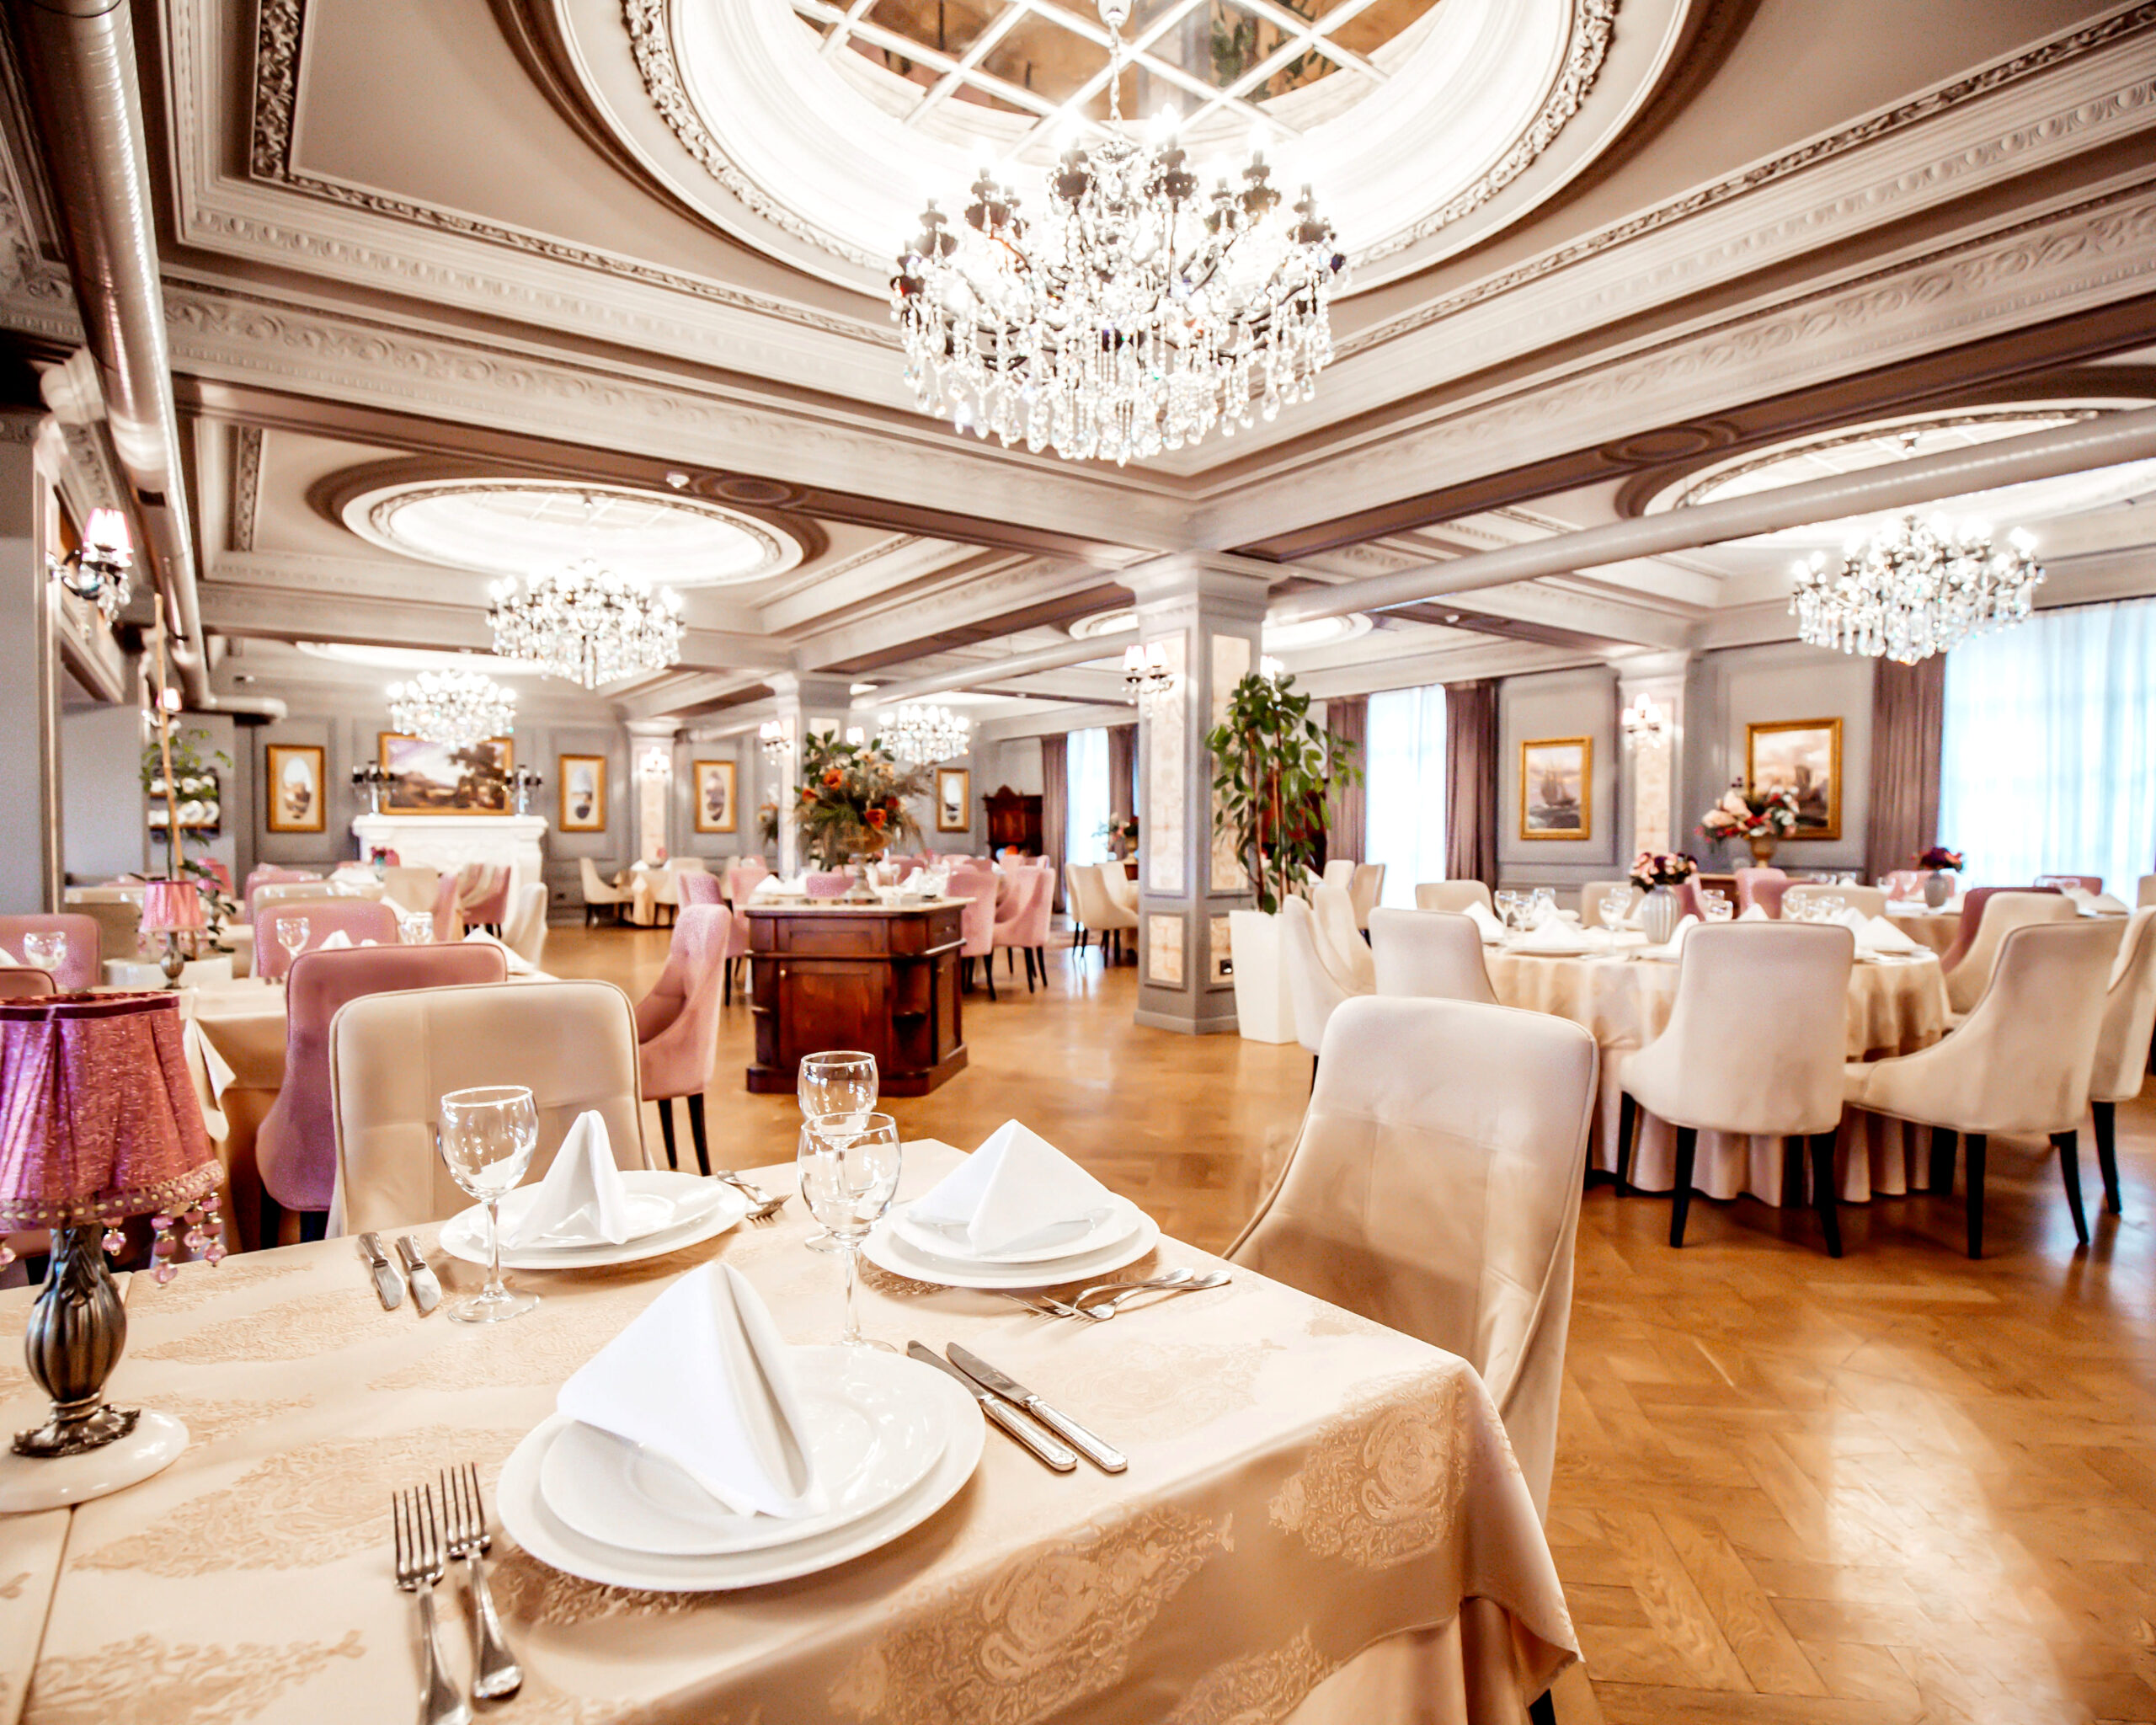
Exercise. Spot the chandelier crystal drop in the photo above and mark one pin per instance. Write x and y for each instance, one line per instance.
(587, 624)
(1135, 315)
(456, 709)
(1914, 588)
(919, 735)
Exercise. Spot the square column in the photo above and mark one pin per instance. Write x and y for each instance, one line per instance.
(30, 877)
(805, 704)
(1209, 622)
(1650, 818)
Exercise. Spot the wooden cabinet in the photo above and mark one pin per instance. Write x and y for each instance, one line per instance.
(1014, 818)
(857, 976)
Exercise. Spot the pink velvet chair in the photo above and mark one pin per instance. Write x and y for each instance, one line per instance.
(677, 1023)
(22, 981)
(976, 882)
(449, 916)
(79, 968)
(698, 887)
(1763, 887)
(362, 919)
(2087, 883)
(1022, 926)
(269, 874)
(741, 879)
(297, 1146)
(1972, 916)
(483, 895)
(829, 883)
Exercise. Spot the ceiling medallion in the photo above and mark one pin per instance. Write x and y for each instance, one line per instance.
(457, 709)
(1134, 317)
(587, 624)
(1915, 587)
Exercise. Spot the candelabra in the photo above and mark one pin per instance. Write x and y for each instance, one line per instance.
(522, 783)
(374, 779)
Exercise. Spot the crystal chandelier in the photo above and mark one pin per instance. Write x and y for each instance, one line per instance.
(921, 734)
(1134, 316)
(1913, 588)
(457, 709)
(587, 624)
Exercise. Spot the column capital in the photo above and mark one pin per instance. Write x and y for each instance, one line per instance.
(1234, 584)
(802, 690)
(1652, 667)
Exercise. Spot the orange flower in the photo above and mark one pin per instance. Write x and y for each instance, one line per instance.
(833, 777)
(876, 818)
(808, 793)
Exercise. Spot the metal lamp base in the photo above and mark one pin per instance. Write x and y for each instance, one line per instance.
(151, 1443)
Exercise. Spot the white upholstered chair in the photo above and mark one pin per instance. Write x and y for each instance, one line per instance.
(1870, 899)
(525, 931)
(1593, 894)
(2019, 1063)
(1095, 909)
(1310, 985)
(1754, 1045)
(1435, 955)
(598, 894)
(1340, 872)
(1365, 887)
(1435, 1188)
(2004, 913)
(1450, 894)
(2145, 894)
(2123, 1041)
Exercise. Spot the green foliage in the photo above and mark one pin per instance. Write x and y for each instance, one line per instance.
(1273, 767)
(852, 801)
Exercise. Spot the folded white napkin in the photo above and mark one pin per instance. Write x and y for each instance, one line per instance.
(1875, 934)
(9, 959)
(581, 1199)
(1853, 920)
(703, 1379)
(1542, 915)
(773, 886)
(1754, 913)
(1552, 935)
(518, 965)
(1486, 920)
(336, 943)
(1012, 1193)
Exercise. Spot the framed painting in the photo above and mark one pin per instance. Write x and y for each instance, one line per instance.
(1803, 756)
(1556, 787)
(954, 792)
(715, 796)
(583, 793)
(295, 774)
(434, 778)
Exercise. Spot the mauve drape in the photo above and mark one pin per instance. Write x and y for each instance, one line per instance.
(1347, 717)
(1055, 807)
(1471, 781)
(1122, 760)
(1909, 706)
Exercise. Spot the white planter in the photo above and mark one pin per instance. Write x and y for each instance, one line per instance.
(1265, 1011)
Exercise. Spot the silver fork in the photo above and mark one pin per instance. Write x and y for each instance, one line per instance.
(1040, 1304)
(419, 1567)
(464, 1517)
(755, 1192)
(1184, 1281)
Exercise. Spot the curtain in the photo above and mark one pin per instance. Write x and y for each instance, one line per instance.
(1086, 798)
(1347, 719)
(2049, 763)
(1055, 792)
(1908, 718)
(1123, 770)
(1404, 762)
(1471, 776)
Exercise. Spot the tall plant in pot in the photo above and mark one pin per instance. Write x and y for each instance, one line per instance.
(1273, 767)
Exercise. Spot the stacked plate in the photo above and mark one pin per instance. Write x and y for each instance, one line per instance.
(1104, 1239)
(892, 1441)
(667, 1211)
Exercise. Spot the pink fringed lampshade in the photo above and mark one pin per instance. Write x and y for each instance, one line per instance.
(171, 907)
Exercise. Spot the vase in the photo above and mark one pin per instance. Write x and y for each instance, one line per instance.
(1938, 888)
(1658, 914)
(1762, 848)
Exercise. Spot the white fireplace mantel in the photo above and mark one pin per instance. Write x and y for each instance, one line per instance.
(448, 841)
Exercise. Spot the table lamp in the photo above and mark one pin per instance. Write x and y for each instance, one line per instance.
(172, 908)
(99, 1122)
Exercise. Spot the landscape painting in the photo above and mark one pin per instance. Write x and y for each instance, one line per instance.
(434, 778)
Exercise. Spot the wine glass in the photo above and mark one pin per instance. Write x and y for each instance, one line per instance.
(292, 934)
(415, 928)
(44, 950)
(1507, 903)
(486, 1137)
(849, 1166)
(1616, 907)
(1541, 900)
(839, 1082)
(1716, 902)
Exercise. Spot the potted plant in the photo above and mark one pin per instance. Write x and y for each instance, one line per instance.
(180, 770)
(1121, 834)
(1943, 865)
(1659, 874)
(1273, 767)
(852, 801)
(1761, 818)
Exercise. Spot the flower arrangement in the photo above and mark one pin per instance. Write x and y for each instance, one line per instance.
(852, 801)
(1938, 856)
(1122, 826)
(1750, 814)
(1654, 868)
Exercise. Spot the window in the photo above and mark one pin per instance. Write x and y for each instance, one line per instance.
(2049, 759)
(1085, 767)
(1404, 788)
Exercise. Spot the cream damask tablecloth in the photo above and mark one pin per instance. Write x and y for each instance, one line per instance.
(1303, 1484)
(30, 1546)
(1894, 1007)
(1935, 929)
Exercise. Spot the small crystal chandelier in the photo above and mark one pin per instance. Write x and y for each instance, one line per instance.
(1134, 316)
(456, 709)
(1913, 588)
(587, 625)
(96, 571)
(921, 734)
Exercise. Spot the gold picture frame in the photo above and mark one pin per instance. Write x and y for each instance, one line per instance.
(295, 794)
(1556, 787)
(1805, 756)
(718, 810)
(954, 796)
(583, 782)
(432, 778)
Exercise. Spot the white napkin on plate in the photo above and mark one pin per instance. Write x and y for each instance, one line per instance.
(582, 1200)
(1754, 912)
(1486, 920)
(336, 943)
(1875, 934)
(1685, 925)
(703, 1379)
(1013, 1193)
(1551, 935)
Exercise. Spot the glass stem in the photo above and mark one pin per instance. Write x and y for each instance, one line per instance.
(852, 1248)
(494, 1289)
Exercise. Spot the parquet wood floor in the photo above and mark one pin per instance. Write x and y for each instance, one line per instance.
(1900, 1487)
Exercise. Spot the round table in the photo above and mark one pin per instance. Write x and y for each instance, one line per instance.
(1896, 1006)
(1935, 929)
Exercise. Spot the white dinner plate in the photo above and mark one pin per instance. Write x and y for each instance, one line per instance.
(872, 1436)
(704, 1207)
(539, 1531)
(1111, 1224)
(889, 1250)
(1567, 949)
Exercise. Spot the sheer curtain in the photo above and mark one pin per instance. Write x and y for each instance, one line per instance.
(1087, 797)
(1404, 788)
(2049, 761)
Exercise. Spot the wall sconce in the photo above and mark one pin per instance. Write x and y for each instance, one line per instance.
(1145, 674)
(1643, 720)
(656, 763)
(776, 744)
(96, 571)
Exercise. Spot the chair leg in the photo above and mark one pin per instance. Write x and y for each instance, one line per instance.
(1628, 1117)
(666, 1128)
(314, 1225)
(988, 969)
(1942, 1160)
(2069, 1168)
(1542, 1709)
(1313, 1075)
(1972, 1177)
(2107, 1152)
(726, 982)
(1680, 1202)
(697, 1132)
(1029, 970)
(1040, 962)
(1824, 1195)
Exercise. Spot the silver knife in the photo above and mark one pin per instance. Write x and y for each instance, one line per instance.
(388, 1285)
(1102, 1455)
(1045, 1449)
(426, 1287)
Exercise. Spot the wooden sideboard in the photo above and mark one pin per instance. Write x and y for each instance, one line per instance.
(1014, 818)
(882, 979)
